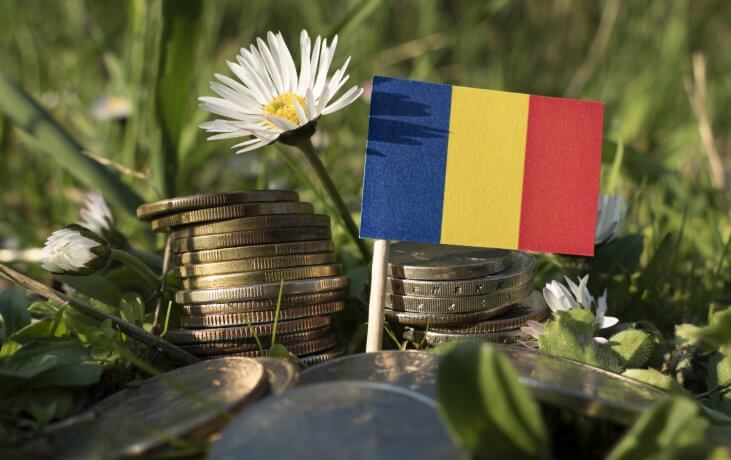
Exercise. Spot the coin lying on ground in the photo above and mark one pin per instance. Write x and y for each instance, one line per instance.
(413, 370)
(262, 291)
(521, 270)
(262, 276)
(458, 305)
(337, 420)
(261, 250)
(259, 263)
(249, 238)
(263, 304)
(148, 211)
(136, 420)
(421, 261)
(230, 212)
(252, 223)
(261, 316)
(226, 334)
(282, 374)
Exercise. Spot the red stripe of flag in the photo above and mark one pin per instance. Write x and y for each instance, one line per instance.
(561, 178)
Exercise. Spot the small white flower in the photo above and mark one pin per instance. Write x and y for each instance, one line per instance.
(533, 329)
(611, 212)
(271, 99)
(560, 298)
(96, 215)
(75, 250)
(110, 108)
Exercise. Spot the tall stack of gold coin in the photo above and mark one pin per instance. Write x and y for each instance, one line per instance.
(234, 253)
(441, 293)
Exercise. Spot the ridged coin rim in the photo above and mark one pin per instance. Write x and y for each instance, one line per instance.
(262, 276)
(261, 316)
(257, 263)
(262, 291)
(403, 264)
(231, 212)
(297, 349)
(457, 305)
(442, 319)
(250, 252)
(319, 358)
(208, 200)
(250, 238)
(250, 344)
(252, 223)
(263, 304)
(227, 334)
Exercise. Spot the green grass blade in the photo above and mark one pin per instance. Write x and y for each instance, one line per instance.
(53, 139)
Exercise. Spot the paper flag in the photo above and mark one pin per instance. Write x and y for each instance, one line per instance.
(475, 167)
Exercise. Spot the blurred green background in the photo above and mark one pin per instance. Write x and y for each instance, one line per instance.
(662, 68)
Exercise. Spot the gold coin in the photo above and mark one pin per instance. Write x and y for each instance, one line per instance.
(264, 276)
(311, 360)
(208, 200)
(261, 316)
(297, 349)
(247, 252)
(230, 212)
(250, 238)
(264, 263)
(252, 223)
(234, 333)
(250, 344)
(262, 291)
(263, 304)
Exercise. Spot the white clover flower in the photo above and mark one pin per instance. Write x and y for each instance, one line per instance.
(110, 108)
(271, 101)
(75, 250)
(611, 212)
(96, 215)
(560, 298)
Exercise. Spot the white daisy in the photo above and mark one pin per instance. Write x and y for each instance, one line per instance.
(75, 250)
(96, 215)
(271, 100)
(611, 212)
(560, 298)
(109, 108)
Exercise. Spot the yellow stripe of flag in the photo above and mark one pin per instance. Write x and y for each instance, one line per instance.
(485, 160)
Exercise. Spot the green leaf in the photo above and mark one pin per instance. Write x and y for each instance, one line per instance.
(43, 329)
(180, 28)
(650, 278)
(718, 331)
(488, 411)
(673, 426)
(657, 379)
(95, 286)
(14, 313)
(132, 309)
(719, 375)
(634, 346)
(620, 256)
(278, 350)
(53, 139)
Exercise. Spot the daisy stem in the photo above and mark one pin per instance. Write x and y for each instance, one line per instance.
(309, 151)
(137, 265)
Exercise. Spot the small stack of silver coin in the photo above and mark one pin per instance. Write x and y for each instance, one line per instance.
(236, 253)
(441, 293)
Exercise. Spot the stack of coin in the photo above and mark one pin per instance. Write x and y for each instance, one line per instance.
(235, 252)
(441, 293)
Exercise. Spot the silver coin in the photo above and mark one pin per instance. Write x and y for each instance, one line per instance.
(246, 252)
(336, 420)
(282, 374)
(435, 338)
(262, 304)
(585, 389)
(251, 344)
(261, 316)
(458, 305)
(252, 223)
(406, 318)
(136, 420)
(262, 291)
(413, 370)
(421, 261)
(236, 333)
(249, 238)
(521, 270)
(318, 358)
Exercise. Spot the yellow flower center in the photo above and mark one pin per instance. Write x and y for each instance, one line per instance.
(282, 106)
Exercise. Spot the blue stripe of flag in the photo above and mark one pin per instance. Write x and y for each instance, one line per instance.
(406, 159)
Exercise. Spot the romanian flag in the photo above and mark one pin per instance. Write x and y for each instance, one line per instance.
(475, 167)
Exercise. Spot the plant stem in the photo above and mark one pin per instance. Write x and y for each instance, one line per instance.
(137, 265)
(309, 151)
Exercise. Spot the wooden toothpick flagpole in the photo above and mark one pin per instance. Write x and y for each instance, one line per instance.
(376, 310)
